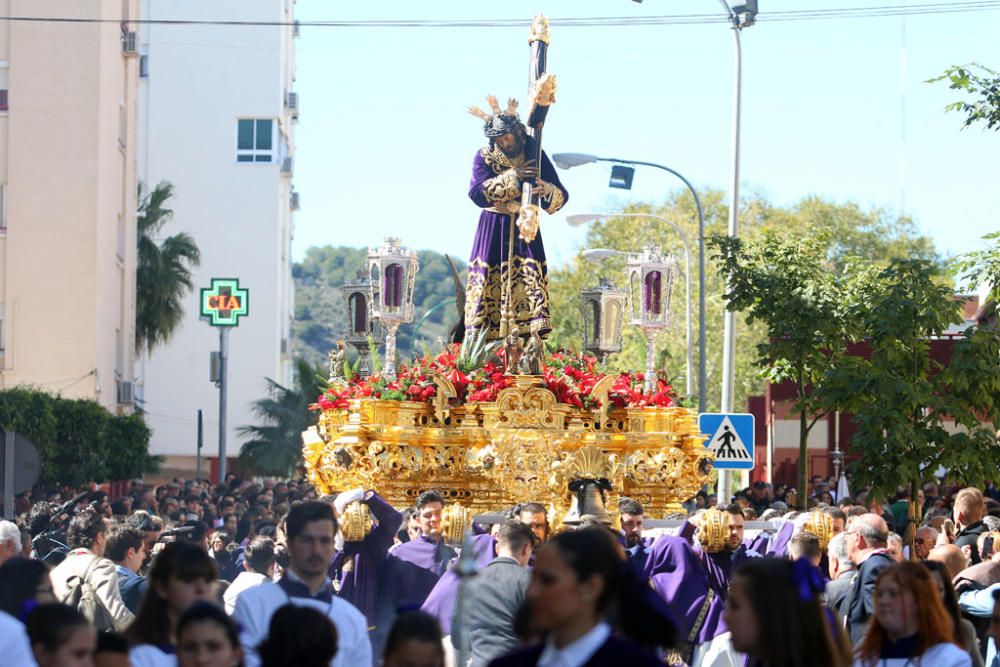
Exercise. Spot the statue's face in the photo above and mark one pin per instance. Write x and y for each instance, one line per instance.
(512, 144)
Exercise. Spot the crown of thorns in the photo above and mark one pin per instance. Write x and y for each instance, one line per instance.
(500, 122)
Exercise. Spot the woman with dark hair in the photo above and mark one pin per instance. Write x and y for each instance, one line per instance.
(206, 637)
(776, 615)
(581, 586)
(298, 637)
(182, 574)
(965, 631)
(61, 637)
(910, 625)
(414, 641)
(24, 583)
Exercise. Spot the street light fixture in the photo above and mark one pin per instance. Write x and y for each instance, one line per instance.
(597, 254)
(570, 160)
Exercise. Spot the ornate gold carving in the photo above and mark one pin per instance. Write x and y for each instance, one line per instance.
(539, 30)
(455, 520)
(355, 522)
(525, 446)
(543, 92)
(590, 463)
(820, 525)
(713, 530)
(523, 406)
(527, 223)
(443, 396)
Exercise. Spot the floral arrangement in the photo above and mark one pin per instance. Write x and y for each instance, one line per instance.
(571, 377)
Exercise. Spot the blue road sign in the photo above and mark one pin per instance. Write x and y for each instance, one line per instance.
(730, 437)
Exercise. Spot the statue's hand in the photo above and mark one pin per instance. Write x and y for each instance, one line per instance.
(526, 170)
(544, 188)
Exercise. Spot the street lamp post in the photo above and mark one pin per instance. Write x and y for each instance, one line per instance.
(740, 17)
(582, 218)
(569, 160)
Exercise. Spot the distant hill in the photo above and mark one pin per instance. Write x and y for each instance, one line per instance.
(321, 314)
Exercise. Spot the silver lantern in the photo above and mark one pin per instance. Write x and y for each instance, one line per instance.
(603, 316)
(360, 324)
(650, 280)
(392, 271)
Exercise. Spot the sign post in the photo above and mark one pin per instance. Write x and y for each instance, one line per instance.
(731, 439)
(223, 304)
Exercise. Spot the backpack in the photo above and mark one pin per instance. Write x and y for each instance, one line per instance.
(82, 596)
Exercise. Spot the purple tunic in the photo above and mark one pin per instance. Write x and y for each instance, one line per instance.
(677, 575)
(412, 571)
(493, 187)
(441, 601)
(359, 583)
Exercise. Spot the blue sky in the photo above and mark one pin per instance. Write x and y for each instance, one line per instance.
(385, 144)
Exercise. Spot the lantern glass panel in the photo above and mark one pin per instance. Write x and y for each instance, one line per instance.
(595, 321)
(392, 289)
(634, 295)
(654, 292)
(359, 313)
(611, 320)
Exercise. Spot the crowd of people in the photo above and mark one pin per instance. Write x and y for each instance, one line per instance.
(261, 574)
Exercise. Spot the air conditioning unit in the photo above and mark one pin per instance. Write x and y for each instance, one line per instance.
(295, 29)
(292, 102)
(129, 43)
(286, 166)
(126, 393)
(295, 200)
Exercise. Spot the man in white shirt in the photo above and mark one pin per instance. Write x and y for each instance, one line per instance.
(310, 528)
(88, 537)
(258, 567)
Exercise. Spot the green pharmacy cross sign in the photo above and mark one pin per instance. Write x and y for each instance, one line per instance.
(225, 302)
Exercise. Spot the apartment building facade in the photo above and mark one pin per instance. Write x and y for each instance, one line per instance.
(68, 170)
(217, 111)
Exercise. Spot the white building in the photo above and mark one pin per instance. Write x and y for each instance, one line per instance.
(217, 116)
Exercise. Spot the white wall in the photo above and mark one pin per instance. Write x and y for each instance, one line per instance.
(201, 80)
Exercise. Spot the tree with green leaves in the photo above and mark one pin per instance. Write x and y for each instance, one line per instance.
(163, 270)
(78, 440)
(981, 267)
(983, 85)
(274, 447)
(901, 399)
(786, 285)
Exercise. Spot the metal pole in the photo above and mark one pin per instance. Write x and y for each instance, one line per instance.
(201, 438)
(687, 310)
(223, 379)
(729, 323)
(8, 476)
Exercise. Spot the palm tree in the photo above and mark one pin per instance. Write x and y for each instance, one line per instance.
(275, 447)
(163, 271)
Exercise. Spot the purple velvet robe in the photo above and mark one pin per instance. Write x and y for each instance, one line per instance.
(412, 571)
(676, 573)
(359, 584)
(494, 185)
(441, 601)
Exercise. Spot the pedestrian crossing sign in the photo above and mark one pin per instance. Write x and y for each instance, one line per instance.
(730, 438)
